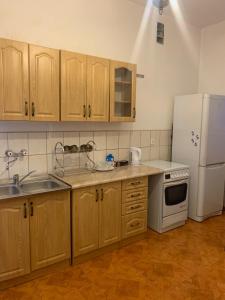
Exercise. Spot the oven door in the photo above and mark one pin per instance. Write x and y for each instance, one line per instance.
(175, 197)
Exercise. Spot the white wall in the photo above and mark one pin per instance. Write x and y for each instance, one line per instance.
(212, 62)
(110, 28)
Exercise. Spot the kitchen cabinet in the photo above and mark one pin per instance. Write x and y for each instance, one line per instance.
(14, 239)
(49, 229)
(122, 92)
(35, 233)
(14, 81)
(73, 86)
(97, 89)
(44, 83)
(96, 217)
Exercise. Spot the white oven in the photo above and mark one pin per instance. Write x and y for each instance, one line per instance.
(175, 197)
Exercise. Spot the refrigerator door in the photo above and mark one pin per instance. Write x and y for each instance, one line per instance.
(213, 131)
(211, 190)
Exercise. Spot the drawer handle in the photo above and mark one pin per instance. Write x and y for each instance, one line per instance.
(31, 209)
(84, 111)
(25, 210)
(102, 194)
(135, 224)
(33, 109)
(136, 183)
(97, 196)
(135, 195)
(135, 207)
(26, 108)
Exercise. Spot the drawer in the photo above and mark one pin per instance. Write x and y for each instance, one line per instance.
(133, 207)
(134, 224)
(134, 195)
(135, 183)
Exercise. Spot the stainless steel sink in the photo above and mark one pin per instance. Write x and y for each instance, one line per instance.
(39, 185)
(32, 187)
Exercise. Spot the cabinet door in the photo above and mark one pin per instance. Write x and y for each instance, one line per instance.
(49, 229)
(110, 214)
(85, 220)
(122, 92)
(73, 86)
(44, 83)
(14, 239)
(14, 87)
(97, 89)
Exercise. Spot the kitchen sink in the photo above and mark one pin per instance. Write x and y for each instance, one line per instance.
(9, 190)
(39, 185)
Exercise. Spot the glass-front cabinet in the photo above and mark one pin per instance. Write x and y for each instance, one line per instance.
(122, 92)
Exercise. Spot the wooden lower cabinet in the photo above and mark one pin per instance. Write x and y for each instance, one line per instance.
(35, 233)
(14, 239)
(96, 217)
(49, 229)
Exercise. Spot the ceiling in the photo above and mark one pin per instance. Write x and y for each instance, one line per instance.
(200, 13)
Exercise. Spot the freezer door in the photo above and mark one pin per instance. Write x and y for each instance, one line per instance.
(211, 190)
(213, 131)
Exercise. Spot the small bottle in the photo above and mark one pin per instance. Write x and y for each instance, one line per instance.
(110, 159)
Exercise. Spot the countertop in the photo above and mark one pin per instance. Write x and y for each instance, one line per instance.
(121, 173)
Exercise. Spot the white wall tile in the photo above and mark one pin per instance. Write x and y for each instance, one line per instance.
(52, 139)
(145, 138)
(85, 137)
(100, 140)
(154, 153)
(37, 143)
(124, 139)
(4, 174)
(164, 152)
(18, 141)
(72, 160)
(99, 156)
(39, 164)
(3, 144)
(124, 154)
(145, 154)
(20, 166)
(71, 138)
(135, 139)
(165, 138)
(155, 138)
(84, 160)
(112, 140)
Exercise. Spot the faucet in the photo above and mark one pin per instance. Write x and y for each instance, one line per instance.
(16, 178)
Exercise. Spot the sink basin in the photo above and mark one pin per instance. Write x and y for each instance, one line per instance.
(9, 190)
(39, 185)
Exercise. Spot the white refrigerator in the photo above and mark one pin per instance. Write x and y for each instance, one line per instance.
(199, 141)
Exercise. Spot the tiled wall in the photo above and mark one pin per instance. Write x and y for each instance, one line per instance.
(40, 146)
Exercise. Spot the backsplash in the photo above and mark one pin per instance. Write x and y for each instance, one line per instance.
(155, 144)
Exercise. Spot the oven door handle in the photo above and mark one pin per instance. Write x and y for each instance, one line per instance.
(174, 183)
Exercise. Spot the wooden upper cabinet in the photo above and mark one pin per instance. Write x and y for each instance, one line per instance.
(44, 83)
(73, 86)
(122, 92)
(14, 239)
(85, 220)
(49, 229)
(110, 214)
(14, 86)
(97, 89)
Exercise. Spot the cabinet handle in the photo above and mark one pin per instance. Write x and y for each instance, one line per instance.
(33, 109)
(97, 196)
(135, 183)
(84, 111)
(25, 210)
(135, 224)
(102, 194)
(26, 108)
(89, 110)
(135, 195)
(134, 113)
(135, 207)
(31, 209)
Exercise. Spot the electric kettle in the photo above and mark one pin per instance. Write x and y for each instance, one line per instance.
(135, 156)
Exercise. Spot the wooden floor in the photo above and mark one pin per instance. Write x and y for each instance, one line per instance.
(186, 263)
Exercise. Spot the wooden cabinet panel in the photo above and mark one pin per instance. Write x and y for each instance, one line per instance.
(49, 229)
(122, 92)
(135, 183)
(85, 220)
(44, 83)
(134, 194)
(97, 89)
(14, 239)
(14, 86)
(110, 214)
(134, 224)
(133, 207)
(73, 86)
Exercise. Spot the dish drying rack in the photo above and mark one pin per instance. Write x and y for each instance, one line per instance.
(60, 151)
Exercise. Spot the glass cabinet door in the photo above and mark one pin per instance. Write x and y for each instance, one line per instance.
(123, 88)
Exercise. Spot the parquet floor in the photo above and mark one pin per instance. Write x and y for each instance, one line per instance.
(187, 263)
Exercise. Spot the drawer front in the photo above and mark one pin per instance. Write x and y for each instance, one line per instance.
(133, 207)
(135, 183)
(135, 195)
(134, 224)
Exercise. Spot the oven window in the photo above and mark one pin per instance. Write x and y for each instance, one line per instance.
(175, 194)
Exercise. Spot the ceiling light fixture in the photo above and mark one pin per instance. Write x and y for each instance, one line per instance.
(161, 4)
